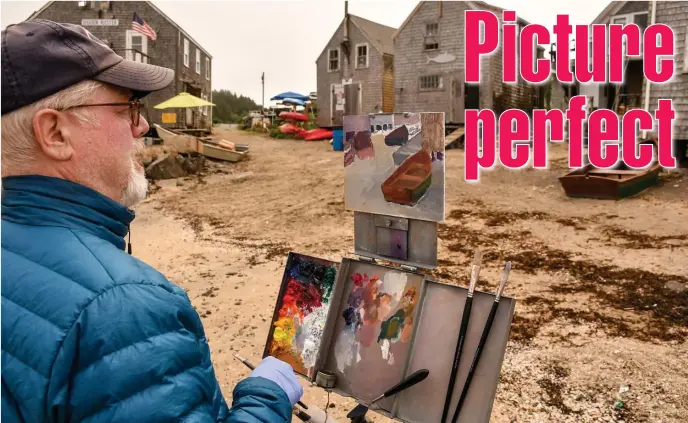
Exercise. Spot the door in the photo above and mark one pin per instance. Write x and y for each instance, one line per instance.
(457, 101)
(472, 96)
(337, 104)
(353, 96)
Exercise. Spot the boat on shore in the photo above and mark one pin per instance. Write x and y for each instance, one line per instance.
(189, 144)
(608, 184)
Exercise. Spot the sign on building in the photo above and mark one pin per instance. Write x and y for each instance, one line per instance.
(99, 22)
(169, 118)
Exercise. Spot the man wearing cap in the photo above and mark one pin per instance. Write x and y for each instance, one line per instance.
(89, 333)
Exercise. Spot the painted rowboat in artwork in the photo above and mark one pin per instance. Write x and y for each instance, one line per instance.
(608, 184)
(189, 144)
(410, 181)
(399, 136)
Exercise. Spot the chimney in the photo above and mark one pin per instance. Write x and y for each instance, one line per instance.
(346, 21)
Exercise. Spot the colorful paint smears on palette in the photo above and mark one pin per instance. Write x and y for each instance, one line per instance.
(379, 313)
(302, 311)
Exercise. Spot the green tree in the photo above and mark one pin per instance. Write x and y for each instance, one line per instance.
(230, 108)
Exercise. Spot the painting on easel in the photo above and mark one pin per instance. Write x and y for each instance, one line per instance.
(373, 332)
(394, 165)
(297, 326)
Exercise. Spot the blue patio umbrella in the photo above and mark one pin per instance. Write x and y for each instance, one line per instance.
(290, 94)
(294, 101)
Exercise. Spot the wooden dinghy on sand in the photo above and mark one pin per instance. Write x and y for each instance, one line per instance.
(410, 181)
(189, 144)
(610, 184)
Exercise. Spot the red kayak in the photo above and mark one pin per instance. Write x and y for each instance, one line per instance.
(319, 134)
(289, 128)
(294, 116)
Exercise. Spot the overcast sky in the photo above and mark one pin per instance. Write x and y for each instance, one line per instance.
(284, 38)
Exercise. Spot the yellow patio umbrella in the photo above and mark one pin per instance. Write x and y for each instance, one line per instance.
(183, 100)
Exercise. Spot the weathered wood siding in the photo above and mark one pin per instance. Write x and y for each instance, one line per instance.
(370, 78)
(675, 15)
(411, 62)
(388, 84)
(167, 50)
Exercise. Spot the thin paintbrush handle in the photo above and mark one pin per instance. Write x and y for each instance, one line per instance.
(457, 356)
(476, 358)
(416, 377)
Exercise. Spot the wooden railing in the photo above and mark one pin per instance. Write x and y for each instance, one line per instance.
(136, 55)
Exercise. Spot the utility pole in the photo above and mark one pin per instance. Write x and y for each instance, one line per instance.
(262, 105)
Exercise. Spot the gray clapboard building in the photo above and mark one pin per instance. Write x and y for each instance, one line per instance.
(170, 47)
(428, 66)
(355, 71)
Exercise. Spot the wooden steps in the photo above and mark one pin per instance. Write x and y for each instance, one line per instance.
(455, 139)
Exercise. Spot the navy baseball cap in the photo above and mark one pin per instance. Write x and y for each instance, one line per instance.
(41, 57)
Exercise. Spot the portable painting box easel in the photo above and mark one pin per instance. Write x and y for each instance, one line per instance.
(378, 323)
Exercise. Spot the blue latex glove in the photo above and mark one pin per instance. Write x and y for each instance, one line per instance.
(282, 374)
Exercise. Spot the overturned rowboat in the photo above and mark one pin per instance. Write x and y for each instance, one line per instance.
(410, 181)
(399, 136)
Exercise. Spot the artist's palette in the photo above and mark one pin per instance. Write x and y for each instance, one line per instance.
(302, 307)
(373, 329)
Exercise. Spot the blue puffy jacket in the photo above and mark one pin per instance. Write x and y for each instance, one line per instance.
(91, 334)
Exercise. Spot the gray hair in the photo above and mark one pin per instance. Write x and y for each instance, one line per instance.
(19, 146)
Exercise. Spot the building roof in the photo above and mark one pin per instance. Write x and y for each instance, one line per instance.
(380, 36)
(154, 7)
(477, 5)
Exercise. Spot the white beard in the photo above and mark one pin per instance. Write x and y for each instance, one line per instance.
(137, 187)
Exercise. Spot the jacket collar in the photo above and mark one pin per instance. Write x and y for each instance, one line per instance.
(46, 201)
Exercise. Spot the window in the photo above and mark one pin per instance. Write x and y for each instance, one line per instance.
(207, 69)
(361, 55)
(136, 47)
(204, 109)
(431, 36)
(333, 64)
(198, 61)
(430, 82)
(641, 21)
(186, 53)
(82, 4)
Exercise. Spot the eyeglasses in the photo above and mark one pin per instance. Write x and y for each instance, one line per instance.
(134, 109)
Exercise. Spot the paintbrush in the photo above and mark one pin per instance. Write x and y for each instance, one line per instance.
(408, 382)
(475, 271)
(483, 338)
(251, 366)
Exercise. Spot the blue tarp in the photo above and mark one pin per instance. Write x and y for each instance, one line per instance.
(290, 94)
